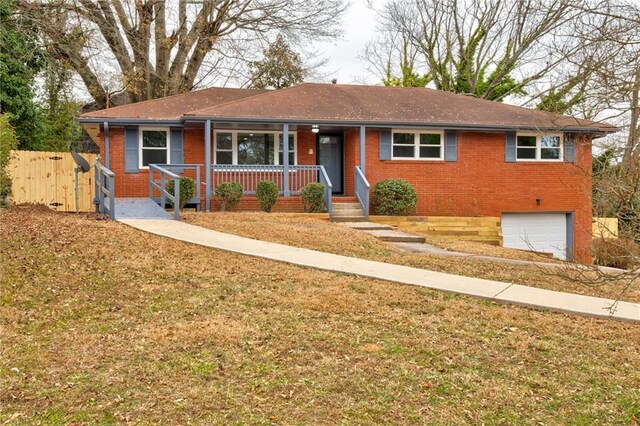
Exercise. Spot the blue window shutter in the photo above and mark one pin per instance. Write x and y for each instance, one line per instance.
(569, 148)
(131, 145)
(177, 149)
(510, 147)
(385, 144)
(450, 145)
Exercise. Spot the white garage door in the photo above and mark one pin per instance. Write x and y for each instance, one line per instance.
(543, 232)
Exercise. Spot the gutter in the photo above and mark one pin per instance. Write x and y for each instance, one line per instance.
(397, 124)
(598, 132)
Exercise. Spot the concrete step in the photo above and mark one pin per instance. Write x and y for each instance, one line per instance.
(342, 206)
(362, 218)
(396, 236)
(347, 213)
(340, 200)
(369, 226)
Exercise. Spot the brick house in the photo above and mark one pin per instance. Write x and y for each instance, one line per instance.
(465, 156)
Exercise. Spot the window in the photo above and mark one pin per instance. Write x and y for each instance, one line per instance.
(224, 148)
(537, 147)
(154, 147)
(252, 147)
(417, 145)
(292, 149)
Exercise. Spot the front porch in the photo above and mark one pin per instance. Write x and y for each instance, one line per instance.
(247, 153)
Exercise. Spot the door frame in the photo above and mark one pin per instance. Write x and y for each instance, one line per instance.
(341, 136)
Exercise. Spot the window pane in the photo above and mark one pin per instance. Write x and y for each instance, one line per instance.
(527, 153)
(292, 158)
(291, 142)
(429, 152)
(154, 156)
(403, 151)
(429, 139)
(255, 148)
(223, 141)
(550, 141)
(224, 157)
(404, 139)
(527, 141)
(154, 138)
(550, 153)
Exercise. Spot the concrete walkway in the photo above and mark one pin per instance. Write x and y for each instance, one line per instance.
(492, 290)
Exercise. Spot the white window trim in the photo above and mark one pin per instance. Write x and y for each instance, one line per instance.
(416, 144)
(234, 145)
(168, 148)
(539, 158)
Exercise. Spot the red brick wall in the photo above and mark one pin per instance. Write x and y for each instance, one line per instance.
(481, 183)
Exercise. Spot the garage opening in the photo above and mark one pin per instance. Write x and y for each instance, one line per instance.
(541, 232)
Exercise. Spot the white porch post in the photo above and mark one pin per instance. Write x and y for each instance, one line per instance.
(362, 147)
(285, 159)
(207, 165)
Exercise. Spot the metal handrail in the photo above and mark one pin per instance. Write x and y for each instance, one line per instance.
(362, 190)
(172, 167)
(105, 187)
(328, 189)
(161, 186)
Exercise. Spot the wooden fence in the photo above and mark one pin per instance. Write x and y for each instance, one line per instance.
(48, 178)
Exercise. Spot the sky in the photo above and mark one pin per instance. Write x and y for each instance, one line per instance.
(359, 28)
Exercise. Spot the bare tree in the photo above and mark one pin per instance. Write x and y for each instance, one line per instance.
(491, 49)
(153, 48)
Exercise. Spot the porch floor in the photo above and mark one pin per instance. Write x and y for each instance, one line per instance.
(139, 208)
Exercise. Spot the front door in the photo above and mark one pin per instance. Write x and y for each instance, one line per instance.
(330, 156)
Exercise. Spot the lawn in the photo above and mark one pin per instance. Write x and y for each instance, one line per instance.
(319, 234)
(103, 324)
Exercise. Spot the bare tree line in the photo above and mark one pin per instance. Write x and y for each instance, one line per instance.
(154, 48)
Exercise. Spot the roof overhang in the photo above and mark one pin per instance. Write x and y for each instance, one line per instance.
(399, 124)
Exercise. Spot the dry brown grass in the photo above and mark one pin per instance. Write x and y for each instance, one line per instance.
(484, 249)
(100, 325)
(320, 234)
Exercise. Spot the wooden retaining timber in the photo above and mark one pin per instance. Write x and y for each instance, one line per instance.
(483, 229)
(47, 178)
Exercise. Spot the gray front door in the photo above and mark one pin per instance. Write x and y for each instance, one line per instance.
(330, 156)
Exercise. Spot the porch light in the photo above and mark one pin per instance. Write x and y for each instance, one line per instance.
(315, 128)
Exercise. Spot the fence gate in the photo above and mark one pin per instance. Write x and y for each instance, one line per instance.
(48, 178)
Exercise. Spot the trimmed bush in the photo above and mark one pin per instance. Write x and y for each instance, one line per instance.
(312, 196)
(620, 253)
(228, 194)
(187, 189)
(267, 193)
(394, 197)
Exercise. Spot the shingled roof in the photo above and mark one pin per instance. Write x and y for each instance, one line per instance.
(394, 105)
(347, 104)
(174, 107)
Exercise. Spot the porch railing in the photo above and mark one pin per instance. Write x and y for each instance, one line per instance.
(362, 190)
(190, 170)
(105, 189)
(248, 175)
(160, 184)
